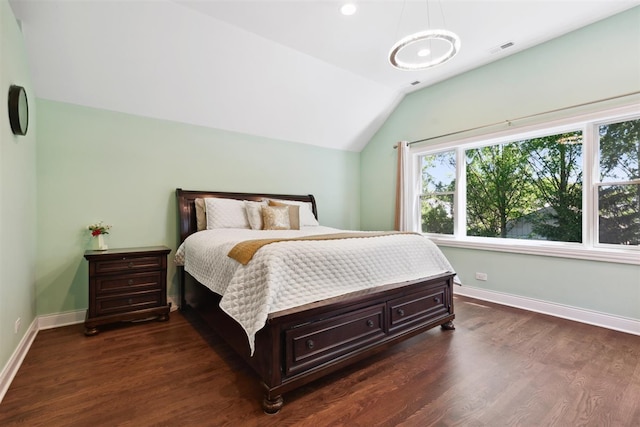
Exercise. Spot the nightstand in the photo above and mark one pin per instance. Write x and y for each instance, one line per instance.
(126, 284)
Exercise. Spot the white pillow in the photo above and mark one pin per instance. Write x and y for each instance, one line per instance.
(307, 218)
(225, 213)
(254, 214)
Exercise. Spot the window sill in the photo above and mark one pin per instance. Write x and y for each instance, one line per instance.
(552, 249)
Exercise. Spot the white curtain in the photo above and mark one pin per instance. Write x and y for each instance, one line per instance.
(402, 220)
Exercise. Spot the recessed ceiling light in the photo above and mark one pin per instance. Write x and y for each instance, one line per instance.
(348, 9)
(424, 52)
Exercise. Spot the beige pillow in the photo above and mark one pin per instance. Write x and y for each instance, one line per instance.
(201, 215)
(276, 218)
(294, 213)
(307, 218)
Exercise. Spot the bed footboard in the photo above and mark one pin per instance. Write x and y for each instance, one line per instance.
(300, 345)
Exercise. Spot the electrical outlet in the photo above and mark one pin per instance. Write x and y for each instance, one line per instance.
(481, 276)
(16, 327)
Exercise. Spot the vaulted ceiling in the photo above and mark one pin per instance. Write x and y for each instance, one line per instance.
(291, 70)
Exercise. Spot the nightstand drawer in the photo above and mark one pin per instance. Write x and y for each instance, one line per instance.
(127, 303)
(128, 283)
(129, 263)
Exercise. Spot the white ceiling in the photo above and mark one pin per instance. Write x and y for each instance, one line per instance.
(290, 70)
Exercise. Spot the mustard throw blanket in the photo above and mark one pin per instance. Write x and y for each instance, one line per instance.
(243, 252)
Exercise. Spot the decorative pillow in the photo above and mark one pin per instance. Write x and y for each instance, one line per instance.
(276, 218)
(225, 213)
(201, 215)
(294, 213)
(254, 214)
(307, 217)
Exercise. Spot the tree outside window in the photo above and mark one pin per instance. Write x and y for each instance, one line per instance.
(438, 173)
(619, 187)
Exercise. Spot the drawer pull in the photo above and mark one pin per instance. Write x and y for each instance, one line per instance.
(400, 312)
(436, 300)
(370, 323)
(130, 265)
(130, 281)
(310, 344)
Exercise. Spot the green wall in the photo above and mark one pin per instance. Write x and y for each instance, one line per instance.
(17, 195)
(596, 62)
(99, 165)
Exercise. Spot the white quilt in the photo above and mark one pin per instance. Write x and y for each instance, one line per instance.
(288, 274)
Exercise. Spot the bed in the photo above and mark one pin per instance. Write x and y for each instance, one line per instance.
(294, 345)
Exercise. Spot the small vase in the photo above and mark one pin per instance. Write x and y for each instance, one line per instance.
(102, 246)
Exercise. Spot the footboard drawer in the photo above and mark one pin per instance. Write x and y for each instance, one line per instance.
(315, 343)
(418, 308)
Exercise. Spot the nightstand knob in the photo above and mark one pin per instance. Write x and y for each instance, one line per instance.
(130, 281)
(370, 323)
(400, 312)
(436, 300)
(130, 265)
(310, 344)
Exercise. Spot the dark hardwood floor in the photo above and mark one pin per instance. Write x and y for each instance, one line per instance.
(501, 367)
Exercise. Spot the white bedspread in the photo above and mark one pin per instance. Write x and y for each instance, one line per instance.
(288, 274)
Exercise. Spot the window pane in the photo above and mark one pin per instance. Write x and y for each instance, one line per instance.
(620, 151)
(619, 214)
(530, 189)
(437, 214)
(438, 172)
(438, 189)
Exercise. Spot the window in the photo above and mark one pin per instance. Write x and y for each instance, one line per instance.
(568, 189)
(619, 183)
(529, 189)
(438, 190)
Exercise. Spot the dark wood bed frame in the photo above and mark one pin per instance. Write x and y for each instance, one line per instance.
(302, 344)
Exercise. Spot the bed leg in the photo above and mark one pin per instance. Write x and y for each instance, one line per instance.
(272, 406)
(449, 326)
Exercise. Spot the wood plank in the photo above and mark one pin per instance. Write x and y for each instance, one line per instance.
(501, 366)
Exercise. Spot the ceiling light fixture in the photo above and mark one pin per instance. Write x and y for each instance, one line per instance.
(348, 9)
(420, 37)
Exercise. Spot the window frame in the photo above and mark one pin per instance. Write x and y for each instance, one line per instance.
(589, 248)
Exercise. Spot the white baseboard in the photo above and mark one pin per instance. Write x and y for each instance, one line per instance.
(60, 319)
(609, 321)
(11, 368)
(39, 323)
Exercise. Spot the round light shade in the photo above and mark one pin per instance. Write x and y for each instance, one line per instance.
(348, 9)
(447, 36)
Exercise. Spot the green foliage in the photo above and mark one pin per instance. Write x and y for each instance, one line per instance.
(436, 219)
(620, 151)
(436, 207)
(498, 189)
(619, 205)
(536, 185)
(556, 173)
(619, 215)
